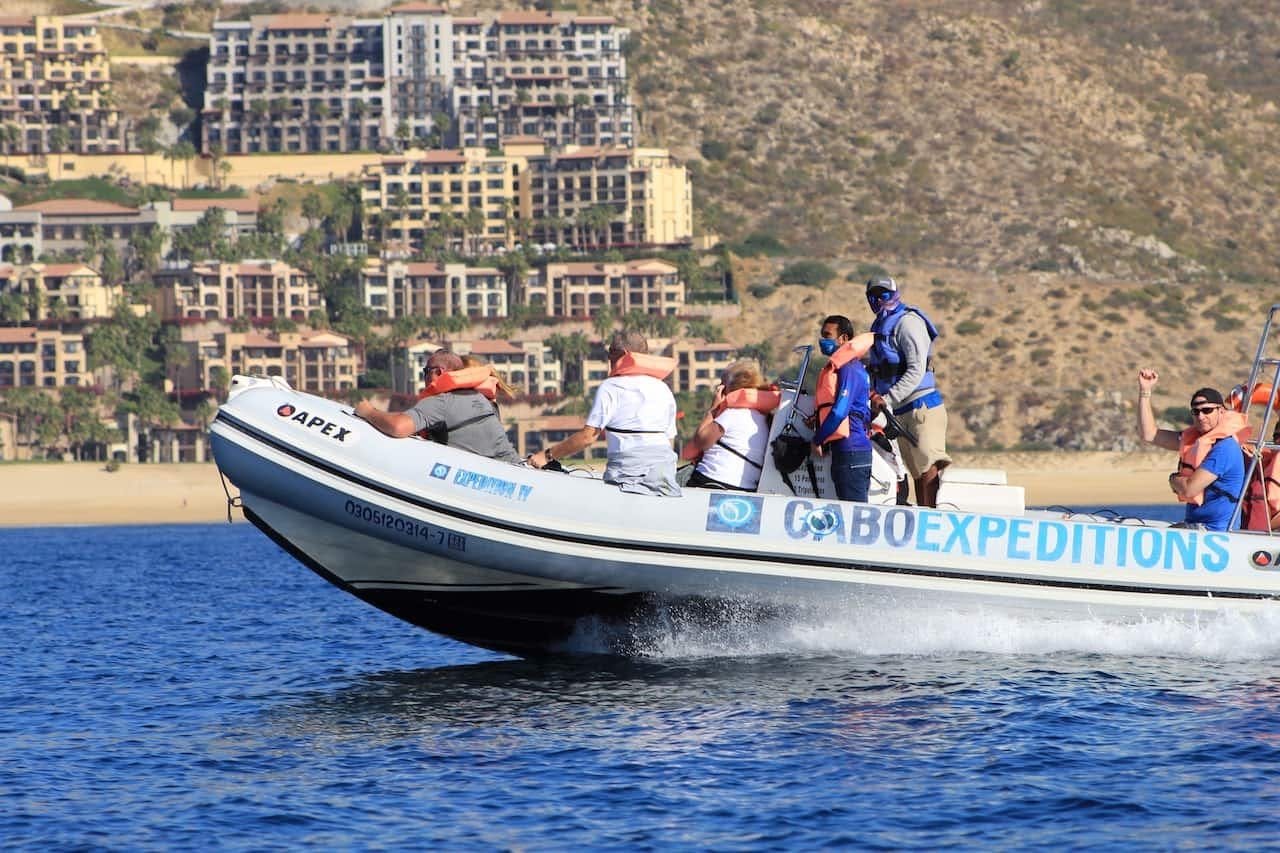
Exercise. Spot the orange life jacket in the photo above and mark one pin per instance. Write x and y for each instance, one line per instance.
(643, 364)
(1194, 446)
(764, 400)
(1262, 493)
(481, 378)
(824, 396)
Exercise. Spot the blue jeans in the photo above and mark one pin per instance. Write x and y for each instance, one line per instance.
(851, 472)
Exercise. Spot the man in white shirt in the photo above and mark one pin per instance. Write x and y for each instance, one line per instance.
(636, 408)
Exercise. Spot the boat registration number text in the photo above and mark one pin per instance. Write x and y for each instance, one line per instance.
(385, 520)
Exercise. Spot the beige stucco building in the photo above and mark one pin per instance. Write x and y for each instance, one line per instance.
(311, 360)
(59, 291)
(582, 288)
(395, 288)
(55, 74)
(253, 289)
(43, 358)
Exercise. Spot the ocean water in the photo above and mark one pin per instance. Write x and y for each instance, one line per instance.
(188, 687)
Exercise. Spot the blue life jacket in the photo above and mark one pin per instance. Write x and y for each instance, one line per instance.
(886, 366)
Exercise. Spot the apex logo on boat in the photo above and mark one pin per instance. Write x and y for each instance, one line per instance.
(1266, 560)
(324, 426)
(734, 514)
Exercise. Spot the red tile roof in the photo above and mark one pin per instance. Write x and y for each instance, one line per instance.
(493, 347)
(17, 334)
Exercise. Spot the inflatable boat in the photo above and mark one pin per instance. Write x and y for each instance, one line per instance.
(521, 560)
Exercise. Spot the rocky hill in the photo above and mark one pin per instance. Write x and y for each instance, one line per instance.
(1072, 187)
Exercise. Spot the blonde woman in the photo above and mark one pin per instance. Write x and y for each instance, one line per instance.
(733, 436)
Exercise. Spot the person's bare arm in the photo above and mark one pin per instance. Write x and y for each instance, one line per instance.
(1147, 429)
(394, 424)
(581, 439)
(1191, 485)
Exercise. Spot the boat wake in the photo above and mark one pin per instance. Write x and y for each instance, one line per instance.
(726, 629)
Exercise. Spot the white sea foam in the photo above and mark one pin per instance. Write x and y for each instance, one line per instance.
(727, 630)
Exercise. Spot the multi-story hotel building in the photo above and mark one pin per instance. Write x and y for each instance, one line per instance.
(392, 289)
(54, 74)
(311, 82)
(581, 289)
(556, 76)
(582, 197)
(64, 224)
(295, 83)
(310, 360)
(422, 196)
(59, 291)
(253, 289)
(643, 197)
(43, 358)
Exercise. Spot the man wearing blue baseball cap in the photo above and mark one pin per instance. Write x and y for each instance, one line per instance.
(902, 381)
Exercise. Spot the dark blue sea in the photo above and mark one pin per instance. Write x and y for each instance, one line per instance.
(193, 687)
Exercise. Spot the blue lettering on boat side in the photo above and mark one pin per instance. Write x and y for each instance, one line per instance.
(1017, 539)
(491, 485)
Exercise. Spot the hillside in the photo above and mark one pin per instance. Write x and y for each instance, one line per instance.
(1071, 187)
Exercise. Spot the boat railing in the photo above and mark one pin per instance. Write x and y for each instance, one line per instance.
(1265, 369)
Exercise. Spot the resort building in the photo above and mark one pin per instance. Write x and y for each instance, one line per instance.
(59, 291)
(55, 87)
(253, 289)
(478, 201)
(581, 289)
(320, 362)
(604, 197)
(417, 75)
(394, 288)
(465, 199)
(42, 358)
(556, 76)
(66, 225)
(295, 83)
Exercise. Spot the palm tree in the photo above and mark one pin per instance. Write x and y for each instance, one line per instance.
(9, 135)
(474, 224)
(58, 138)
(186, 152)
(570, 350)
(148, 141)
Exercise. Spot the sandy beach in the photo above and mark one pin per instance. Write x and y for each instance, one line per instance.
(44, 494)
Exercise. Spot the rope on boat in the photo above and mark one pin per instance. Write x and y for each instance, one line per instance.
(231, 502)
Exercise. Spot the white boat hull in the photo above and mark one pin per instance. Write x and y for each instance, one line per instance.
(512, 558)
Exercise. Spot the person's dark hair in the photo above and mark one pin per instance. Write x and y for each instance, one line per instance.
(1208, 395)
(843, 325)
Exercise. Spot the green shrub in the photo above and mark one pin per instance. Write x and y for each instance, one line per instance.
(968, 327)
(760, 291)
(865, 271)
(1041, 356)
(1044, 265)
(1002, 344)
(714, 149)
(757, 244)
(808, 273)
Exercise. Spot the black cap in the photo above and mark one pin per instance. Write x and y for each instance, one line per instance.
(1207, 395)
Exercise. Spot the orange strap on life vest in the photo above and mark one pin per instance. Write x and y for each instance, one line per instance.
(643, 364)
(481, 378)
(1194, 446)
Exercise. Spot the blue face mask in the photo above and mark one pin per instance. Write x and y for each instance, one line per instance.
(828, 346)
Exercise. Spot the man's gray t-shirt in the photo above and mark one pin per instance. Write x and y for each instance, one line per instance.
(470, 421)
